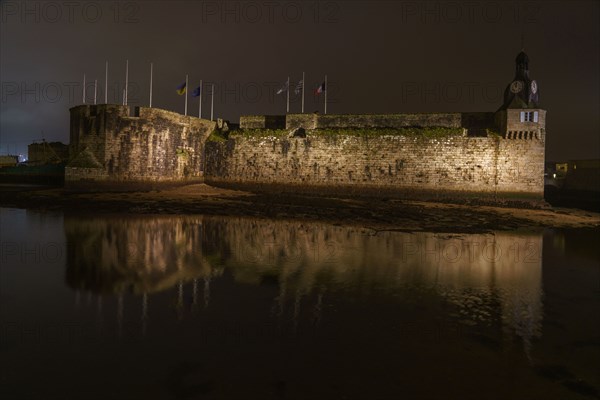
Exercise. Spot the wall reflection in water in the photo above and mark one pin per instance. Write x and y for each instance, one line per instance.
(485, 278)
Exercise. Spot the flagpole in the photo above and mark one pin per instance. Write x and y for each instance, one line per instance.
(303, 84)
(200, 103)
(95, 90)
(212, 102)
(83, 88)
(106, 84)
(326, 90)
(185, 94)
(123, 96)
(151, 68)
(288, 95)
(126, 79)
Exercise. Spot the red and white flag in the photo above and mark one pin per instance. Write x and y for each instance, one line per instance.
(321, 88)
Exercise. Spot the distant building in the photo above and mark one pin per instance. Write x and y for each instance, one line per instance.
(555, 173)
(583, 175)
(47, 153)
(561, 170)
(9, 161)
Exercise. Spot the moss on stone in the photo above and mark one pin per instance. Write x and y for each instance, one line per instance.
(436, 132)
(183, 153)
(262, 133)
(85, 159)
(492, 133)
(217, 136)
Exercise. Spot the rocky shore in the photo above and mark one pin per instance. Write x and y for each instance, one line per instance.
(377, 214)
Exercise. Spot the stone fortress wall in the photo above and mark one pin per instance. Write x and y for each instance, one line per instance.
(496, 156)
(434, 155)
(110, 149)
(428, 155)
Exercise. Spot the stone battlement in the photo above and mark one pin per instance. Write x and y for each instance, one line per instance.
(330, 121)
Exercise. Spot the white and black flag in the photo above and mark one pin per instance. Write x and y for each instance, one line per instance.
(284, 88)
(299, 87)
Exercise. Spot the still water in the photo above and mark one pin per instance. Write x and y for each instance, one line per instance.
(193, 307)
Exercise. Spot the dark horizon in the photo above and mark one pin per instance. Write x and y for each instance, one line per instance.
(380, 57)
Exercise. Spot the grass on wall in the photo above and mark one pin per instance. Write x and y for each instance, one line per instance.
(433, 132)
(217, 136)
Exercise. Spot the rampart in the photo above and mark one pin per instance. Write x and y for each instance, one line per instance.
(112, 150)
(431, 156)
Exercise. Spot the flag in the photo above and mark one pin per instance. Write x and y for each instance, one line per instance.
(284, 88)
(181, 89)
(299, 86)
(320, 89)
(197, 92)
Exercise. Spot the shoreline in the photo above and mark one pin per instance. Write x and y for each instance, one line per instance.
(385, 214)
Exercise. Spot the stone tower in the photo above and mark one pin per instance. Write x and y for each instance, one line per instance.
(520, 116)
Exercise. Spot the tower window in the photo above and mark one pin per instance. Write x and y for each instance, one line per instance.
(529, 116)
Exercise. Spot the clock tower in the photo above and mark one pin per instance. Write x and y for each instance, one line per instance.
(520, 116)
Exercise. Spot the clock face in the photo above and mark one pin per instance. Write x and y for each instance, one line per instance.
(534, 87)
(516, 86)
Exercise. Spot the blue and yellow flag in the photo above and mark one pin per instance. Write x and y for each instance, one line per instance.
(181, 89)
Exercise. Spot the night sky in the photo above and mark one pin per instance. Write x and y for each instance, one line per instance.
(380, 57)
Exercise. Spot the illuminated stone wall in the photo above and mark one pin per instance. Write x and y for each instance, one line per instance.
(423, 163)
(108, 146)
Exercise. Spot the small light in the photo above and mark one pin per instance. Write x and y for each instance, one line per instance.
(554, 176)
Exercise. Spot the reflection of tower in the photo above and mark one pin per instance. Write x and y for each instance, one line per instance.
(501, 285)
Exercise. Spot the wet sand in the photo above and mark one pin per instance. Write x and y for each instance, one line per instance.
(376, 214)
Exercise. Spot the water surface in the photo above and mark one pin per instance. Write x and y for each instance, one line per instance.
(193, 307)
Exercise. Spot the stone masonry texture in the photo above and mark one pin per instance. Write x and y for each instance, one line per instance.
(412, 165)
(154, 146)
